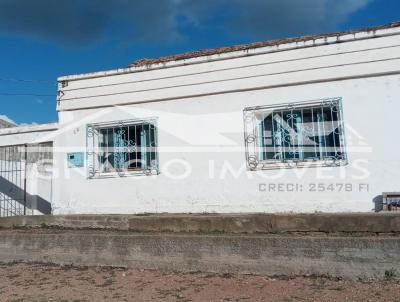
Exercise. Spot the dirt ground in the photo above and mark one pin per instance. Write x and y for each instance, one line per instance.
(40, 283)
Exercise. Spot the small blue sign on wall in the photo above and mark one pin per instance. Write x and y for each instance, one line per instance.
(75, 160)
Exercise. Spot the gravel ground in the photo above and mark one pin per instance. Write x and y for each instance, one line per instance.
(41, 283)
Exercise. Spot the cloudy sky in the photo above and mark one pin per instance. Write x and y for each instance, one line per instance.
(43, 39)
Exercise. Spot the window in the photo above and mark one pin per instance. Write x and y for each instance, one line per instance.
(297, 134)
(122, 148)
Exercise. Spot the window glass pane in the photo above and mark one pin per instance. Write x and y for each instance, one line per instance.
(268, 139)
(110, 150)
(308, 134)
(103, 143)
(278, 136)
(329, 133)
(120, 144)
(135, 160)
(152, 146)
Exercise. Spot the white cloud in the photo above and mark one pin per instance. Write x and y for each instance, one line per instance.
(80, 22)
(289, 18)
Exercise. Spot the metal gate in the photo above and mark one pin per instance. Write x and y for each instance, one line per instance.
(13, 196)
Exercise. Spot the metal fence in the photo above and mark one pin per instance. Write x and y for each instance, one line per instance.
(15, 163)
(13, 180)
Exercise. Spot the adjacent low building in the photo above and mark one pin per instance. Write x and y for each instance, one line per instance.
(6, 123)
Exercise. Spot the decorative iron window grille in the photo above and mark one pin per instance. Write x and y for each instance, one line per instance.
(123, 148)
(295, 135)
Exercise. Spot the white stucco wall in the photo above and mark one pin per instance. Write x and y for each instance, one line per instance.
(200, 118)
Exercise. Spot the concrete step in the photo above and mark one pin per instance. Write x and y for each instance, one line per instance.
(355, 223)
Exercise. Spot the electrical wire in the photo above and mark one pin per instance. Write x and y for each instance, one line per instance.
(27, 81)
(27, 94)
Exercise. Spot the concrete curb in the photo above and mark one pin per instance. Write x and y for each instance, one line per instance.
(370, 223)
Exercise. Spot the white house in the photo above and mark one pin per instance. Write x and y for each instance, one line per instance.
(297, 125)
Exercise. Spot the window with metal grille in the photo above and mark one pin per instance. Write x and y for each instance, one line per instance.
(122, 148)
(296, 134)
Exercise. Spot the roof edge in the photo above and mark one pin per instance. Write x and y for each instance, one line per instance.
(222, 50)
(196, 56)
(29, 128)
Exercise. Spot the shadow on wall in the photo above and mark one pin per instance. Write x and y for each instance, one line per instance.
(378, 201)
(34, 202)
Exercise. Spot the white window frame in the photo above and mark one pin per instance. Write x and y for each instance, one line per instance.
(94, 150)
(255, 145)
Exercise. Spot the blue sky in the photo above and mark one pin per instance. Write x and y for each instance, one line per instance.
(44, 39)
